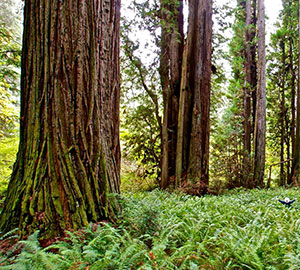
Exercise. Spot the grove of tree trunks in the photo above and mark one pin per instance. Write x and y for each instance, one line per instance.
(296, 160)
(172, 40)
(192, 154)
(69, 155)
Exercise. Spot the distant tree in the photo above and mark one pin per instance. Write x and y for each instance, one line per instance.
(10, 61)
(235, 126)
(69, 157)
(281, 92)
(296, 160)
(141, 97)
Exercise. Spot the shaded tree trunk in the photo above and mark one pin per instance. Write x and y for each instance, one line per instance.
(253, 49)
(69, 154)
(293, 98)
(176, 54)
(296, 160)
(165, 83)
(247, 100)
(194, 106)
(282, 116)
(260, 119)
(172, 40)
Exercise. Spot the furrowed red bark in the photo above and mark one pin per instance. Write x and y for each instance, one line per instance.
(247, 100)
(69, 155)
(260, 119)
(193, 118)
(200, 85)
(172, 40)
(176, 54)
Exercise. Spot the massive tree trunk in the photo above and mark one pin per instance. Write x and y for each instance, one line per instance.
(172, 40)
(194, 107)
(69, 155)
(260, 118)
(296, 160)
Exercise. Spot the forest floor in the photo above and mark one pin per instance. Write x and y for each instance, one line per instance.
(157, 230)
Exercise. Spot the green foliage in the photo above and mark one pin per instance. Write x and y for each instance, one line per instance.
(8, 151)
(227, 129)
(10, 60)
(140, 134)
(284, 39)
(141, 91)
(135, 179)
(158, 230)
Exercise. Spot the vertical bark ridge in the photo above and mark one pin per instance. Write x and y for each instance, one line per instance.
(260, 119)
(69, 156)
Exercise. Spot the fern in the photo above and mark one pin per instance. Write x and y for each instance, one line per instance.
(158, 230)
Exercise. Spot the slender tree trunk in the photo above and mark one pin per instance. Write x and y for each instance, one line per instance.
(176, 54)
(293, 108)
(253, 49)
(296, 160)
(69, 155)
(260, 119)
(164, 77)
(293, 88)
(247, 100)
(172, 40)
(181, 116)
(282, 116)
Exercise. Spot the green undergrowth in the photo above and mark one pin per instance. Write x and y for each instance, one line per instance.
(8, 151)
(158, 230)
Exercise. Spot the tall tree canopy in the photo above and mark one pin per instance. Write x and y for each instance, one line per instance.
(69, 157)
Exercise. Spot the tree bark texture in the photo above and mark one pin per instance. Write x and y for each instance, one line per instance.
(260, 119)
(172, 40)
(253, 49)
(165, 84)
(69, 154)
(176, 54)
(193, 137)
(247, 100)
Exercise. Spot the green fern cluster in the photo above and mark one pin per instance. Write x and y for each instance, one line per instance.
(158, 230)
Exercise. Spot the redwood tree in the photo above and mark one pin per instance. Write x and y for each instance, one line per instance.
(172, 40)
(260, 118)
(296, 156)
(249, 87)
(69, 157)
(192, 154)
